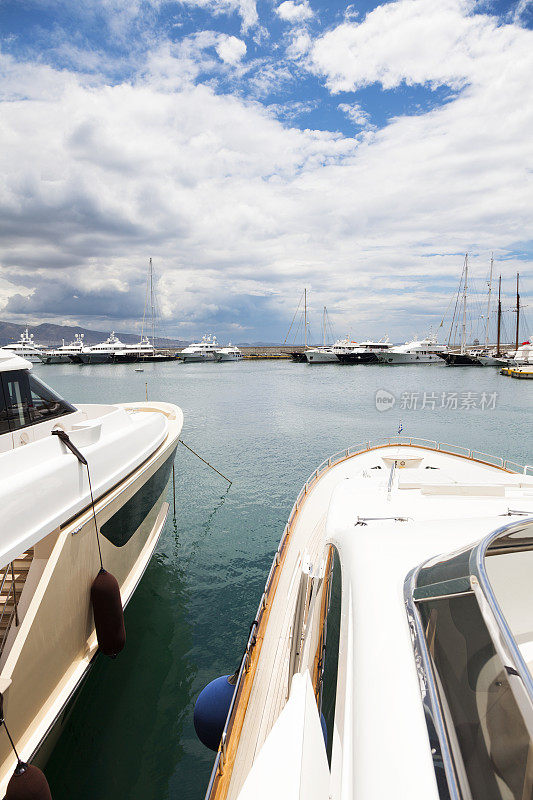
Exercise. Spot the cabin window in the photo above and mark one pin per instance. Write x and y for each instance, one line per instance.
(330, 653)
(121, 526)
(4, 422)
(45, 403)
(478, 703)
(30, 401)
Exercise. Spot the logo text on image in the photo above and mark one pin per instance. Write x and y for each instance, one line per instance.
(384, 400)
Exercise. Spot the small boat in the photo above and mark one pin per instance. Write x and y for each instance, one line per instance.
(391, 655)
(59, 512)
(139, 369)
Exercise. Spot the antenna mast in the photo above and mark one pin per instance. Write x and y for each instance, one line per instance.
(488, 302)
(463, 332)
(152, 302)
(517, 311)
(305, 318)
(499, 315)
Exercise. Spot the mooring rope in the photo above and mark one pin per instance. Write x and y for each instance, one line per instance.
(81, 458)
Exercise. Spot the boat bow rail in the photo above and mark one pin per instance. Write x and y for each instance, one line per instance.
(229, 740)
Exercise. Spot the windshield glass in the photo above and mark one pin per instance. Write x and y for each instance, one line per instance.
(490, 742)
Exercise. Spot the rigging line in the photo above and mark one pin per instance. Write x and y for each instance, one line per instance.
(455, 309)
(294, 317)
(145, 305)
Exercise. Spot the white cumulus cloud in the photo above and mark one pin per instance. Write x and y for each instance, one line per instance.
(230, 49)
(292, 11)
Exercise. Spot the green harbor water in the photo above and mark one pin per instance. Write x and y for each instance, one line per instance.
(267, 426)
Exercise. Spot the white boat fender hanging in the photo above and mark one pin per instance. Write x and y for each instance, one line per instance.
(105, 592)
(28, 781)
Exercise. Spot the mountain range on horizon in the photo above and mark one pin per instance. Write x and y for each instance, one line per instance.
(49, 335)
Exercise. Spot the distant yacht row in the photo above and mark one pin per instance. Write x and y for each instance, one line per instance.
(116, 352)
(418, 351)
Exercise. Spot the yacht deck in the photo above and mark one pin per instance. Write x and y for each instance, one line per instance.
(432, 486)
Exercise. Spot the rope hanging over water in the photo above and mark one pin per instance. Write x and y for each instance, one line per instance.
(205, 462)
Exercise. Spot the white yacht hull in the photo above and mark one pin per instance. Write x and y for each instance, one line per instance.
(321, 357)
(197, 357)
(46, 658)
(227, 357)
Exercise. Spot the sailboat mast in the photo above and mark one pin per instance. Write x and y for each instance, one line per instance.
(152, 301)
(324, 327)
(463, 332)
(305, 318)
(499, 315)
(517, 311)
(488, 302)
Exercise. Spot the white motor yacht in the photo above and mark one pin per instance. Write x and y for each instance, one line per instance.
(49, 547)
(391, 655)
(329, 354)
(130, 353)
(62, 354)
(201, 351)
(26, 348)
(365, 352)
(229, 353)
(418, 351)
(102, 353)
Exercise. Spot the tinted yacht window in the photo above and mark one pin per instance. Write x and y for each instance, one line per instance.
(45, 403)
(17, 399)
(30, 401)
(4, 423)
(331, 654)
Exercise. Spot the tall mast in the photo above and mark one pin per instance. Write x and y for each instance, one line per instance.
(463, 332)
(324, 327)
(488, 302)
(517, 311)
(305, 318)
(499, 315)
(152, 301)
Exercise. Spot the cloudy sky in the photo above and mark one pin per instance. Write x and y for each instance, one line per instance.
(254, 147)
